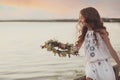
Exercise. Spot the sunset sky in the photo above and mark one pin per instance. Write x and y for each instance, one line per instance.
(55, 9)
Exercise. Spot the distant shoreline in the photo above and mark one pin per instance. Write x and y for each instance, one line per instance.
(61, 20)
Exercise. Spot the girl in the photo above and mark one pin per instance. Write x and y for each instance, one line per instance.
(97, 46)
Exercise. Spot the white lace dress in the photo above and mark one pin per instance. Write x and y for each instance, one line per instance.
(98, 66)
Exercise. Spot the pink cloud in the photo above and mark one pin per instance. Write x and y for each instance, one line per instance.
(45, 5)
(56, 8)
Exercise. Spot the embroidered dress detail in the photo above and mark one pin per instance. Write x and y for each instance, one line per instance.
(98, 66)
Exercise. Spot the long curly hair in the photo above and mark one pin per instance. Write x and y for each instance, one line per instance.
(93, 19)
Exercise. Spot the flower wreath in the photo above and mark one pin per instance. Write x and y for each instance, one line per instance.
(54, 46)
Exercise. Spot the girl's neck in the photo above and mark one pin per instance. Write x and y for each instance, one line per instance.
(89, 29)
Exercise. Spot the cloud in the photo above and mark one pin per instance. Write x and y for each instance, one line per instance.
(44, 5)
(37, 9)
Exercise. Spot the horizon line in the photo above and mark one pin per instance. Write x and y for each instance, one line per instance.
(57, 20)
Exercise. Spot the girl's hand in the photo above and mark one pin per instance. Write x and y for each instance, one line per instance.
(76, 49)
(118, 65)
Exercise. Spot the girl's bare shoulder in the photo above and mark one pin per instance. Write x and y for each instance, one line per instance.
(103, 33)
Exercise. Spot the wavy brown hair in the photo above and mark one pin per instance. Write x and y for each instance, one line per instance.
(92, 18)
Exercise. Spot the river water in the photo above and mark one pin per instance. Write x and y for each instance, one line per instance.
(21, 57)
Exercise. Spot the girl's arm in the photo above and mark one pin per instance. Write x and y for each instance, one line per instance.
(77, 45)
(109, 46)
